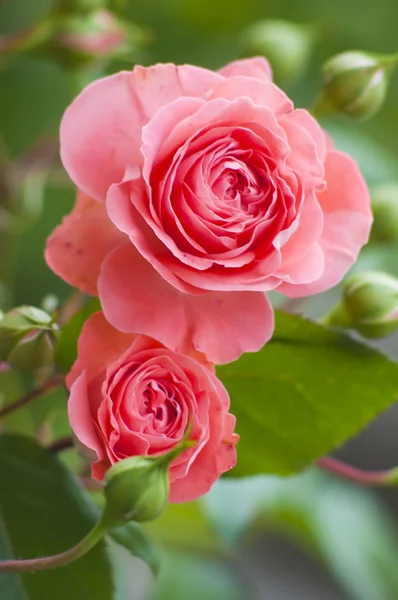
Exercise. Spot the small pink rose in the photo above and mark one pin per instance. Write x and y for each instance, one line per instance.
(131, 396)
(209, 190)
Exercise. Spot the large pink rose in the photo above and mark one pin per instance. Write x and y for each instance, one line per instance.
(129, 396)
(201, 191)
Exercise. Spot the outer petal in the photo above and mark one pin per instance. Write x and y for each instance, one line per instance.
(99, 345)
(257, 67)
(135, 298)
(347, 223)
(101, 130)
(76, 249)
(80, 418)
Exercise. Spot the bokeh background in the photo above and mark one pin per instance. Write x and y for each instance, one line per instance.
(308, 537)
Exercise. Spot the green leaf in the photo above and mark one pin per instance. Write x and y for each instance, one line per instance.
(305, 393)
(44, 511)
(137, 542)
(67, 340)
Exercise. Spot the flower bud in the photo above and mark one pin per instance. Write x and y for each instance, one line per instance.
(99, 33)
(286, 45)
(385, 213)
(137, 488)
(27, 337)
(355, 83)
(370, 300)
(33, 352)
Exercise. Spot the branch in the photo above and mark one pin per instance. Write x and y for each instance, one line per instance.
(63, 443)
(373, 478)
(52, 383)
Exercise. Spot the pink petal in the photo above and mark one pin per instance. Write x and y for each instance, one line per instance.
(101, 130)
(76, 249)
(263, 93)
(80, 418)
(135, 298)
(99, 345)
(257, 67)
(347, 223)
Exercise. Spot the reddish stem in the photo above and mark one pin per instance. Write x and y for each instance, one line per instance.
(52, 383)
(375, 478)
(63, 443)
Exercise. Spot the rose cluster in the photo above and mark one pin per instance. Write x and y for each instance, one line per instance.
(198, 192)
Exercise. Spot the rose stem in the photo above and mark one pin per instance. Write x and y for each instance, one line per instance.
(63, 443)
(54, 382)
(375, 478)
(57, 560)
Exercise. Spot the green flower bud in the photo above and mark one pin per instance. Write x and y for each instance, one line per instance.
(27, 337)
(370, 300)
(137, 488)
(33, 352)
(355, 83)
(286, 45)
(385, 212)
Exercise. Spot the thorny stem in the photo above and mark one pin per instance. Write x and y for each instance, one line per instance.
(52, 383)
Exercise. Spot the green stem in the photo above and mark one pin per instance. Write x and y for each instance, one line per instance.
(57, 560)
(337, 317)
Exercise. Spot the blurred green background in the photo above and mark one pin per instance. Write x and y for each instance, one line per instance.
(306, 538)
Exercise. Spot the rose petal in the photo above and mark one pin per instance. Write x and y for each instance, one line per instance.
(99, 345)
(257, 67)
(80, 417)
(221, 325)
(347, 223)
(101, 130)
(77, 247)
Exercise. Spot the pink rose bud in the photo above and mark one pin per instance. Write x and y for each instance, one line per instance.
(99, 33)
(285, 44)
(385, 213)
(199, 192)
(133, 397)
(355, 83)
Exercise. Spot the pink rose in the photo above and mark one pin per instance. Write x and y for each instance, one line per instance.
(201, 191)
(129, 396)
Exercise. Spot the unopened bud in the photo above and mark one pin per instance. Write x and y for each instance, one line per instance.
(385, 213)
(33, 352)
(286, 45)
(355, 83)
(100, 33)
(370, 300)
(137, 488)
(27, 337)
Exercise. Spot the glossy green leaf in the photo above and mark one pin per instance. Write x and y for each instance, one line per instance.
(305, 393)
(69, 335)
(44, 511)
